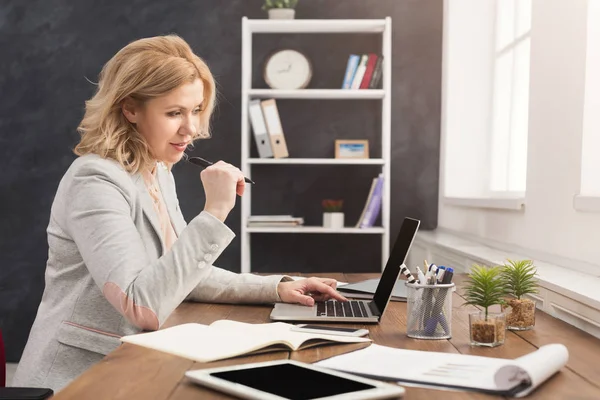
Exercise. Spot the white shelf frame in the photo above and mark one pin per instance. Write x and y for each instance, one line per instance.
(317, 161)
(315, 229)
(316, 26)
(322, 94)
(377, 26)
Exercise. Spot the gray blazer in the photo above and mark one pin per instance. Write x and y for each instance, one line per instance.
(108, 272)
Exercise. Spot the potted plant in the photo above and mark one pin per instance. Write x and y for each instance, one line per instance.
(520, 279)
(280, 9)
(333, 217)
(486, 287)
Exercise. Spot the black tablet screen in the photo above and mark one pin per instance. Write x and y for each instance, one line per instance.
(292, 382)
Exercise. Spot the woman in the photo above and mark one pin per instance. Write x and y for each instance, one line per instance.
(121, 257)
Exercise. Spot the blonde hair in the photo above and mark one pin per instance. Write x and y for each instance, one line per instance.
(142, 70)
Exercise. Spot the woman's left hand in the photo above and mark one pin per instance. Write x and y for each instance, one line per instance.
(307, 291)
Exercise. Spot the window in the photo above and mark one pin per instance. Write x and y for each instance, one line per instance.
(486, 98)
(590, 162)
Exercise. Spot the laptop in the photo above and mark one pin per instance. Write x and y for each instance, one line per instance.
(357, 311)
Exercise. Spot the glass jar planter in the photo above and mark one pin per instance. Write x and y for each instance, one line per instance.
(489, 331)
(520, 314)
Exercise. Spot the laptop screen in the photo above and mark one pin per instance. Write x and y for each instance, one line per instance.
(408, 230)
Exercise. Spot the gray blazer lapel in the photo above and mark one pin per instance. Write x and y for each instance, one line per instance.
(169, 195)
(148, 208)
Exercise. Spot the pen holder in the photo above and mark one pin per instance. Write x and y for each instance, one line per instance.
(429, 311)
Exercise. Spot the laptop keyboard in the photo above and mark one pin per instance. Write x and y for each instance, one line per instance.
(334, 308)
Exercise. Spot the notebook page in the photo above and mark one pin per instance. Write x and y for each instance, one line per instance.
(444, 369)
(277, 331)
(199, 342)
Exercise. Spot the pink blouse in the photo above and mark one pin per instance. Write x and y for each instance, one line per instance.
(168, 233)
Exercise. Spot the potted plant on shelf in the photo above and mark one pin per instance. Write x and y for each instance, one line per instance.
(520, 279)
(333, 217)
(280, 9)
(486, 287)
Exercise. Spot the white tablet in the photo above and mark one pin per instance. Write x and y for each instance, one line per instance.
(292, 380)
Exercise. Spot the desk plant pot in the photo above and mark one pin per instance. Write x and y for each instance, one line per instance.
(486, 287)
(520, 279)
(333, 220)
(520, 314)
(280, 9)
(487, 329)
(333, 217)
(282, 13)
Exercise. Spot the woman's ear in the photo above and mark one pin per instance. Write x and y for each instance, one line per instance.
(129, 109)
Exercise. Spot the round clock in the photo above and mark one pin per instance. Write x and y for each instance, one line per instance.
(287, 69)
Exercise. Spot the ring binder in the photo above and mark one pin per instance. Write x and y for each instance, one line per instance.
(263, 142)
(274, 128)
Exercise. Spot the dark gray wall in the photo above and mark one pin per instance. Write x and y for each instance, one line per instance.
(49, 48)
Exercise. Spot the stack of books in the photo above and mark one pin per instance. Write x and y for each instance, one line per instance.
(281, 221)
(363, 71)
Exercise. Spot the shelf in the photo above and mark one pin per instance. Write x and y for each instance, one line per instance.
(315, 229)
(318, 161)
(316, 26)
(257, 29)
(324, 94)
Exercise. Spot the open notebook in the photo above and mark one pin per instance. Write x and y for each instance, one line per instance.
(224, 339)
(516, 377)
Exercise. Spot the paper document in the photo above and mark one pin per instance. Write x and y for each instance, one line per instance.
(516, 377)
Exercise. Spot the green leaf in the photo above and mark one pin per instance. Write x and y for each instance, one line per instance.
(520, 277)
(485, 287)
(269, 4)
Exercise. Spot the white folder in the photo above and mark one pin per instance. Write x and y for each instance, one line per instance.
(261, 136)
(273, 123)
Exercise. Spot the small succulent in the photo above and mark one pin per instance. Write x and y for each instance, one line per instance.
(520, 277)
(332, 205)
(485, 287)
(269, 4)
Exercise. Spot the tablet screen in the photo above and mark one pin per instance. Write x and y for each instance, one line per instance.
(292, 382)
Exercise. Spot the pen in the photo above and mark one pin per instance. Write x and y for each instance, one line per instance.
(448, 275)
(420, 276)
(431, 273)
(441, 298)
(427, 277)
(434, 270)
(205, 163)
(407, 274)
(440, 273)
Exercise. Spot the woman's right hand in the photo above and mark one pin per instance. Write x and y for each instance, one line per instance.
(222, 181)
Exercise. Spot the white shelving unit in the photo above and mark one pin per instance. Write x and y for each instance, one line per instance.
(328, 161)
(265, 26)
(323, 94)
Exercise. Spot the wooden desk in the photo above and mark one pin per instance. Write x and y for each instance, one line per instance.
(133, 372)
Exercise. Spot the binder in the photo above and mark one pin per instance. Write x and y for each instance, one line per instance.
(263, 143)
(271, 115)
